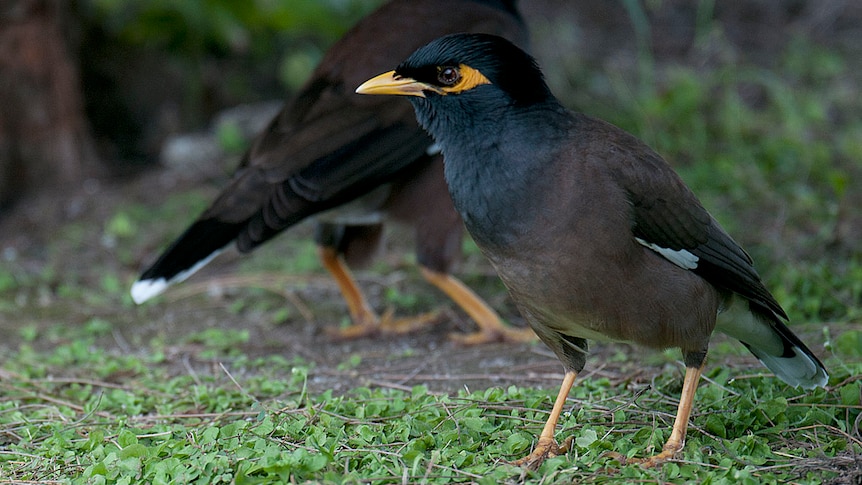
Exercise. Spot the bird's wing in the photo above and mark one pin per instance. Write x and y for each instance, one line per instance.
(377, 150)
(668, 218)
(325, 125)
(307, 161)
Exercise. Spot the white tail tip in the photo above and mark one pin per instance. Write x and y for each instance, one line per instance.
(143, 290)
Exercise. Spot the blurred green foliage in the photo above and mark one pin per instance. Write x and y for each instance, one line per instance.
(258, 28)
(151, 68)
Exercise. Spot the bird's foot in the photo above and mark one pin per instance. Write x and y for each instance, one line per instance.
(355, 331)
(545, 448)
(370, 325)
(400, 326)
(491, 335)
(667, 453)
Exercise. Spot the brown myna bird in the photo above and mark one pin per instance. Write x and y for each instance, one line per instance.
(352, 162)
(593, 233)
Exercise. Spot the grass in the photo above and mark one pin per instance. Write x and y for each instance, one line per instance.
(192, 390)
(80, 414)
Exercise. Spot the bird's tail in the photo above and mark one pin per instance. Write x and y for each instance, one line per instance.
(201, 242)
(776, 346)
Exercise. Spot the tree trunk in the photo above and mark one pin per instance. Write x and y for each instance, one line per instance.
(44, 139)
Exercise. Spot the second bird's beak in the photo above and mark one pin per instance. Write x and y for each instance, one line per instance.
(390, 83)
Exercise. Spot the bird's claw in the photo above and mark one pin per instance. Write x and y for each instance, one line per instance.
(487, 336)
(545, 448)
(371, 325)
(667, 453)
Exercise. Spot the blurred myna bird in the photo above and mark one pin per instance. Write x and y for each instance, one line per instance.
(352, 161)
(593, 233)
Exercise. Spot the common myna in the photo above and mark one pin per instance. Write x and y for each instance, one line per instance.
(593, 233)
(353, 162)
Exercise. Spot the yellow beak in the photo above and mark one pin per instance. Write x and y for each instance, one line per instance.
(389, 83)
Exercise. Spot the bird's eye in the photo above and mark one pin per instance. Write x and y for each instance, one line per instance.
(448, 76)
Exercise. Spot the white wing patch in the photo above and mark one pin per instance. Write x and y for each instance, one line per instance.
(434, 149)
(680, 257)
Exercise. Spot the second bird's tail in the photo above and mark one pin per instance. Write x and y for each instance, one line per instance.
(201, 242)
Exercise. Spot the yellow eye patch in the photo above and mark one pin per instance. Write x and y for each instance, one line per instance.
(470, 78)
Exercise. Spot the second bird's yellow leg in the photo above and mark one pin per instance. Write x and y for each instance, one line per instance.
(491, 327)
(365, 321)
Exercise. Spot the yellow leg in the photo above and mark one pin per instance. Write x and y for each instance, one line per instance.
(491, 328)
(676, 441)
(365, 321)
(547, 446)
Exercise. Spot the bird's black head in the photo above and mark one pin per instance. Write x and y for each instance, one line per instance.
(461, 64)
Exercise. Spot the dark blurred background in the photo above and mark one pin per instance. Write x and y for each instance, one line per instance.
(113, 78)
